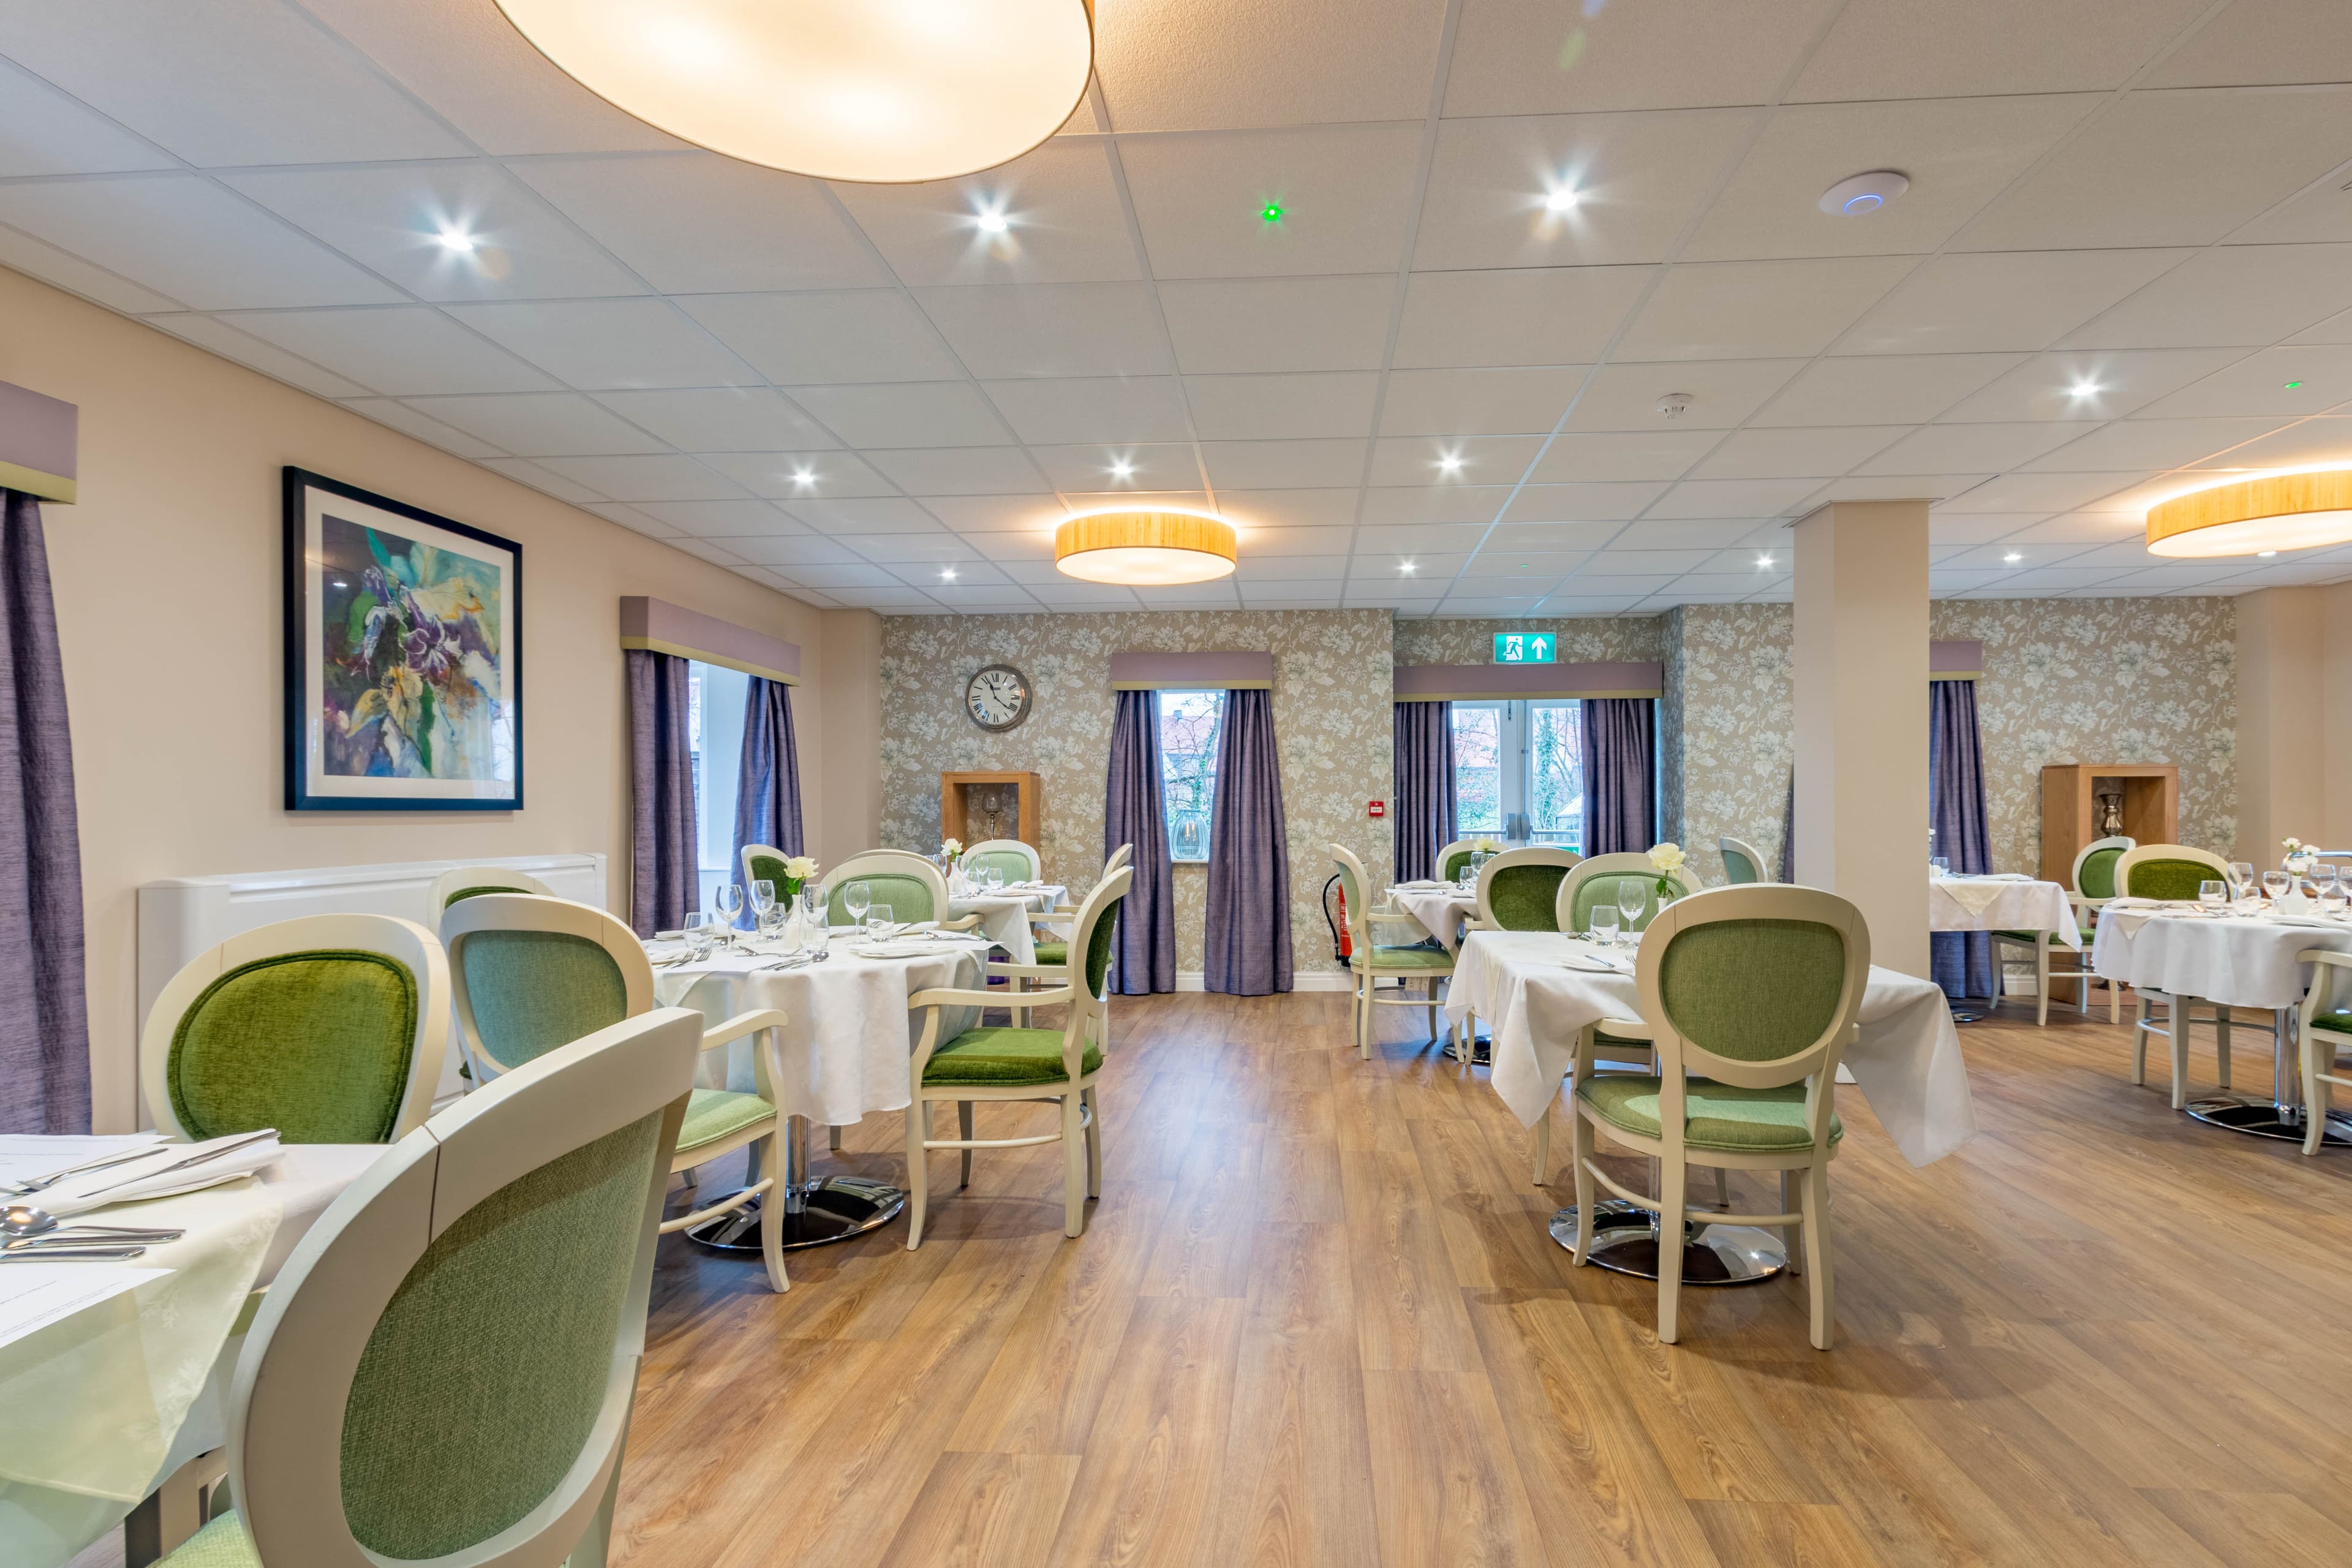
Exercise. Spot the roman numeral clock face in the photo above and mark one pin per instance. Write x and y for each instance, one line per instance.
(997, 698)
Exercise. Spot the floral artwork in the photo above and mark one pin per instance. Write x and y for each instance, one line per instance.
(402, 650)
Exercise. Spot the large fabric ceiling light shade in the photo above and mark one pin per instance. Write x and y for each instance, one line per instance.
(2280, 511)
(880, 92)
(1145, 548)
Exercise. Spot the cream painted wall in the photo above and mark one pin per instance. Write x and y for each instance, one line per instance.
(167, 584)
(2295, 719)
(846, 770)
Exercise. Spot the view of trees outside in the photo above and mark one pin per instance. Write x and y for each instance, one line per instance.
(1477, 769)
(1555, 774)
(1189, 721)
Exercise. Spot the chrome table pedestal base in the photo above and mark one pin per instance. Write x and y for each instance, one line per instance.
(2266, 1119)
(1627, 1243)
(1481, 1051)
(816, 1214)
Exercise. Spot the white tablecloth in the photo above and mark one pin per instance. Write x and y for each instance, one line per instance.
(1439, 912)
(1906, 1063)
(101, 1405)
(845, 1051)
(2237, 961)
(1005, 917)
(1981, 904)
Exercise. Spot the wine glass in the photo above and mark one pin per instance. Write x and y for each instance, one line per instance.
(763, 904)
(700, 934)
(2322, 878)
(730, 900)
(1604, 924)
(814, 918)
(855, 900)
(995, 882)
(2275, 884)
(1632, 899)
(2213, 895)
(878, 922)
(2242, 872)
(1939, 867)
(2333, 898)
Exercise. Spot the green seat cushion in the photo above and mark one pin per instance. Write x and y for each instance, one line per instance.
(1435, 958)
(1522, 897)
(1000, 1056)
(2339, 1022)
(223, 1544)
(2172, 878)
(909, 898)
(1718, 1116)
(317, 1044)
(712, 1113)
(533, 991)
(1052, 953)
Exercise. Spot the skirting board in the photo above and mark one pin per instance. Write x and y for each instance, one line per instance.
(1312, 980)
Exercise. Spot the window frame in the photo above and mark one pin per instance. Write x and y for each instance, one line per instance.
(1207, 806)
(1515, 731)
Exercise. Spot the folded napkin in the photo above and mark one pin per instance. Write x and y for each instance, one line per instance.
(895, 949)
(154, 1175)
(1597, 964)
(2317, 922)
(1974, 894)
(1422, 886)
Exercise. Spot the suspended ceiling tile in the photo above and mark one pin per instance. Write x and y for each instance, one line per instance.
(1302, 405)
(1715, 395)
(2020, 302)
(721, 418)
(540, 424)
(960, 470)
(1822, 452)
(410, 351)
(1881, 388)
(1537, 56)
(2087, 386)
(1612, 456)
(816, 338)
(1560, 315)
(1050, 329)
(1887, 49)
(1758, 309)
(1109, 411)
(1486, 402)
(1470, 462)
(1167, 66)
(270, 360)
(1239, 324)
(2249, 295)
(1280, 465)
(46, 132)
(1344, 191)
(906, 414)
(797, 476)
(1062, 221)
(608, 345)
(1094, 466)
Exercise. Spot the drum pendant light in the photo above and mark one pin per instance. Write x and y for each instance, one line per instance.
(1144, 548)
(878, 92)
(2278, 512)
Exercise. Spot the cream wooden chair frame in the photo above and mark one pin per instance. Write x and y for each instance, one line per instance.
(1056, 920)
(1079, 1130)
(898, 863)
(2181, 1012)
(1727, 846)
(1459, 846)
(287, 1403)
(517, 911)
(1528, 854)
(2082, 974)
(405, 942)
(2318, 1047)
(1366, 976)
(1804, 1175)
(496, 878)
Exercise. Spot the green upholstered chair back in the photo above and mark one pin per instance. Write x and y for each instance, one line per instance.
(2094, 868)
(1099, 938)
(763, 863)
(1741, 862)
(329, 1028)
(2167, 871)
(1012, 863)
(909, 898)
(1454, 859)
(1598, 881)
(317, 1044)
(470, 882)
(1520, 889)
(533, 991)
(452, 1351)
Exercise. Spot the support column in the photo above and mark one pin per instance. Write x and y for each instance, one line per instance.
(2282, 717)
(1862, 718)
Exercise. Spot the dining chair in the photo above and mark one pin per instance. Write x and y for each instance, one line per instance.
(1598, 879)
(1750, 996)
(465, 881)
(1020, 1063)
(2092, 883)
(1369, 963)
(1455, 859)
(1054, 951)
(1520, 889)
(532, 975)
(913, 887)
(442, 1373)
(2172, 871)
(1742, 861)
(329, 1028)
(2327, 1028)
(765, 863)
(1018, 861)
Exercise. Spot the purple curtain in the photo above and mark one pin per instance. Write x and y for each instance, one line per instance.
(1961, 962)
(1143, 959)
(1246, 950)
(1789, 832)
(1619, 775)
(768, 780)
(1424, 787)
(665, 874)
(44, 1008)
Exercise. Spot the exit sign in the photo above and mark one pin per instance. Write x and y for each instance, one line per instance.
(1523, 648)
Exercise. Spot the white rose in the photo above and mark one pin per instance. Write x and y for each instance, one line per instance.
(951, 847)
(800, 867)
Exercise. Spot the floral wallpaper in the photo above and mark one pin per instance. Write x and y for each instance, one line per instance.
(1331, 701)
(1588, 640)
(2065, 681)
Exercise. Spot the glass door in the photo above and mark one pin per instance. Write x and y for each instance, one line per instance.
(1518, 772)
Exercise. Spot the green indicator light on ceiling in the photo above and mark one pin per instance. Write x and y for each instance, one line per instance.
(2292, 384)
(1271, 213)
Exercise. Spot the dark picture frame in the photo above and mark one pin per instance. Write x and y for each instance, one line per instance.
(403, 656)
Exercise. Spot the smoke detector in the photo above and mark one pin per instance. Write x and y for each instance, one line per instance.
(1863, 193)
(1675, 404)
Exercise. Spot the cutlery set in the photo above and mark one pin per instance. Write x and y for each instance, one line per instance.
(28, 1231)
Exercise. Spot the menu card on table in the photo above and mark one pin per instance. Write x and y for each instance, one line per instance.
(35, 1295)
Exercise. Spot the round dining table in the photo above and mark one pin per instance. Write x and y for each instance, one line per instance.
(2007, 901)
(2240, 959)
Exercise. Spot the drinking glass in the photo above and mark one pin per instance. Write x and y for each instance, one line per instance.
(2332, 900)
(2214, 896)
(857, 900)
(2242, 872)
(730, 900)
(763, 902)
(1941, 865)
(995, 882)
(1604, 924)
(878, 921)
(700, 934)
(1633, 898)
(2322, 878)
(813, 918)
(2275, 884)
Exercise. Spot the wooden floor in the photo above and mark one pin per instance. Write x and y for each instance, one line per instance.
(1317, 1320)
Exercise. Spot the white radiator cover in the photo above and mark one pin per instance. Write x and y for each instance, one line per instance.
(179, 917)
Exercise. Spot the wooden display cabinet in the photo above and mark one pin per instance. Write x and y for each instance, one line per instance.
(978, 807)
(2069, 808)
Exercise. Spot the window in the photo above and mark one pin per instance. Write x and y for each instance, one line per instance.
(714, 709)
(1518, 772)
(1189, 724)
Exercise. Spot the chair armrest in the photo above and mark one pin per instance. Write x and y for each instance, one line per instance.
(946, 997)
(741, 1025)
(2326, 955)
(1038, 971)
(964, 924)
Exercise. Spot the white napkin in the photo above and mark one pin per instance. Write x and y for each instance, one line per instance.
(1974, 894)
(895, 949)
(1422, 886)
(151, 1176)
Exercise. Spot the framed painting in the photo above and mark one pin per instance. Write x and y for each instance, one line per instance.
(404, 656)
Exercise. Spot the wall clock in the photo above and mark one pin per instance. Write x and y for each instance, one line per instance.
(997, 698)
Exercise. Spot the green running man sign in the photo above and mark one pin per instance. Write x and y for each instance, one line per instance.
(1524, 648)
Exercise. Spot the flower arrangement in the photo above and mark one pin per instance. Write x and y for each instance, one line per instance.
(798, 871)
(952, 850)
(1486, 845)
(1666, 859)
(2300, 856)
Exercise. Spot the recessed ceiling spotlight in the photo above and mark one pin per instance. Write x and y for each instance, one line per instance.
(2258, 556)
(456, 240)
(1120, 468)
(2013, 558)
(947, 573)
(990, 221)
(1449, 462)
(803, 476)
(1863, 193)
(1562, 200)
(1406, 567)
(2084, 389)
(1762, 560)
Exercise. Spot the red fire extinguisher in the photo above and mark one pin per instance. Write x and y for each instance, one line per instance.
(1335, 915)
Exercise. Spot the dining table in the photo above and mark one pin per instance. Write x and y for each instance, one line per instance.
(2245, 956)
(1539, 990)
(843, 1053)
(1004, 913)
(1437, 908)
(1999, 902)
(114, 1393)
